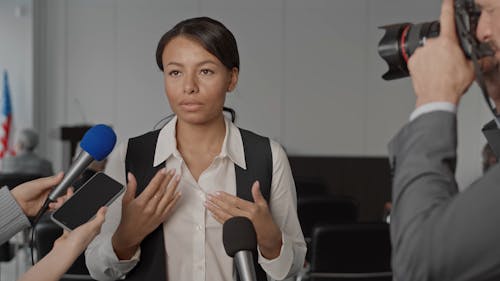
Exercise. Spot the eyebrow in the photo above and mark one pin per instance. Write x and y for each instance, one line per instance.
(198, 64)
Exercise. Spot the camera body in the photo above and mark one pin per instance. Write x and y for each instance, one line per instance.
(401, 40)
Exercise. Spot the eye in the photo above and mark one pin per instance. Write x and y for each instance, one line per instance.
(206, 71)
(174, 73)
(489, 9)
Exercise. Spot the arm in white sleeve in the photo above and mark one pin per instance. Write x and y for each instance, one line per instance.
(101, 260)
(283, 206)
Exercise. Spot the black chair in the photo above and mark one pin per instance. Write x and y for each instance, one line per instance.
(46, 232)
(310, 187)
(14, 179)
(355, 252)
(7, 252)
(325, 210)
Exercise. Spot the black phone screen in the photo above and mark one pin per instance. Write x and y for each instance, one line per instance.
(98, 191)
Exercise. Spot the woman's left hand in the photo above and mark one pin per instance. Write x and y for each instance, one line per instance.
(224, 206)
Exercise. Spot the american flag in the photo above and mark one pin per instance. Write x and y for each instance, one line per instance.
(6, 117)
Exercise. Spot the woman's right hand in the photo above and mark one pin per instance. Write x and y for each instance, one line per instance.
(142, 215)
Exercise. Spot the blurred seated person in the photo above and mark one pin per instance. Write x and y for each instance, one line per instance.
(26, 161)
(386, 217)
(489, 158)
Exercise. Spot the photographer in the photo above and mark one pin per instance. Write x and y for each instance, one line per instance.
(437, 233)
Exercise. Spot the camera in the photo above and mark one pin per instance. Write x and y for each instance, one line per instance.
(401, 40)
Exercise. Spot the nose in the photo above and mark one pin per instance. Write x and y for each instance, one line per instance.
(190, 84)
(483, 30)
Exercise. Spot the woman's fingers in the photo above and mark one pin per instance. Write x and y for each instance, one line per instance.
(169, 194)
(154, 185)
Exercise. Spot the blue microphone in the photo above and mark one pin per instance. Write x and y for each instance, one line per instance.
(96, 144)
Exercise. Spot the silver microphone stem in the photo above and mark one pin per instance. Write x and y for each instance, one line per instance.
(244, 264)
(84, 159)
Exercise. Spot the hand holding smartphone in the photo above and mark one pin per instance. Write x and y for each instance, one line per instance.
(100, 190)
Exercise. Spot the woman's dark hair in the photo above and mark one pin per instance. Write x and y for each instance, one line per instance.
(211, 34)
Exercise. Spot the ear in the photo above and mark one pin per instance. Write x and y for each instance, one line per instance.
(233, 79)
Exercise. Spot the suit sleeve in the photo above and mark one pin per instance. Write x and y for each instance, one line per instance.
(12, 219)
(436, 232)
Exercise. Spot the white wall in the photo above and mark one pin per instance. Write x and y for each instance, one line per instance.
(310, 72)
(16, 56)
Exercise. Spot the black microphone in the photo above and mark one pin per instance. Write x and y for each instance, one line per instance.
(240, 239)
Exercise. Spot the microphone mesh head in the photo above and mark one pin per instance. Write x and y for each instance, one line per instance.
(98, 141)
(238, 234)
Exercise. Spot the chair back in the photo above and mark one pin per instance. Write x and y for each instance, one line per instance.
(360, 251)
(325, 210)
(14, 179)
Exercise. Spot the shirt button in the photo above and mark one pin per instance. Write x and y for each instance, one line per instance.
(199, 227)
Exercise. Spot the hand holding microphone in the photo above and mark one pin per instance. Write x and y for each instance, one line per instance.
(96, 144)
(31, 195)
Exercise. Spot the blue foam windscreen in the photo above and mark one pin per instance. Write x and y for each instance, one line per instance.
(98, 141)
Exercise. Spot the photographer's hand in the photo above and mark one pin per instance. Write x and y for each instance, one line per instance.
(439, 70)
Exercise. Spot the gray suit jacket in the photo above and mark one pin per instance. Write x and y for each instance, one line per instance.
(436, 232)
(27, 163)
(12, 218)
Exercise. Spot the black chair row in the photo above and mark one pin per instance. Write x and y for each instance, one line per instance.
(15, 179)
(339, 247)
(356, 252)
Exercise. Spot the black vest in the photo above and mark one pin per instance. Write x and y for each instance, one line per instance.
(139, 161)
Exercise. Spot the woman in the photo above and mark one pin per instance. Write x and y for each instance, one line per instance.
(159, 234)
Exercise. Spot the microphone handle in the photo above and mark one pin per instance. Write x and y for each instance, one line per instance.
(82, 161)
(244, 264)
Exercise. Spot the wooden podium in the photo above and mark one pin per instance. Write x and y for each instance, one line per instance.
(73, 135)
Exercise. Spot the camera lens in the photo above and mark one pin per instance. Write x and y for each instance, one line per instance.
(400, 41)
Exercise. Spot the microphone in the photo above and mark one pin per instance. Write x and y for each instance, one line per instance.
(240, 239)
(96, 144)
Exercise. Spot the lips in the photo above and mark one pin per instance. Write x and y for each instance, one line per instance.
(191, 105)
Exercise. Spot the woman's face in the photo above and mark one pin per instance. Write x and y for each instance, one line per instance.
(196, 82)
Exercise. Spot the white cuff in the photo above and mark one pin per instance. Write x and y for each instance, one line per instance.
(279, 267)
(118, 266)
(433, 106)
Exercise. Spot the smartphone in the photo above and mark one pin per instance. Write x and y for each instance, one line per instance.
(100, 190)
